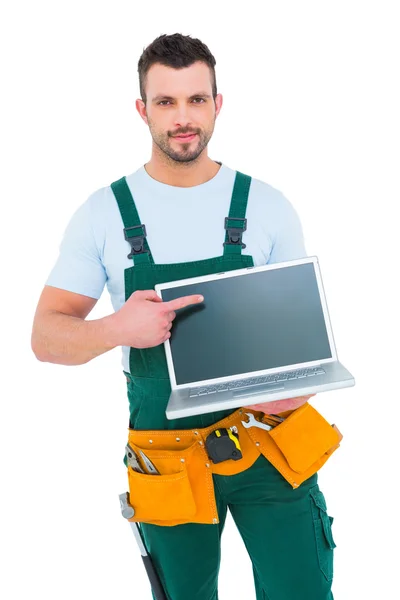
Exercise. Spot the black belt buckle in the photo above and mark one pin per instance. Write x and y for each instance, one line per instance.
(136, 241)
(235, 233)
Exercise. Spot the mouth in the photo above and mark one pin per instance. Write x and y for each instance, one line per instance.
(185, 138)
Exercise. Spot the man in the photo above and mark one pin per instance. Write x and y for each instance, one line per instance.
(182, 197)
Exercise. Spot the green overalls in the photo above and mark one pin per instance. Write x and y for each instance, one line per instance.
(287, 532)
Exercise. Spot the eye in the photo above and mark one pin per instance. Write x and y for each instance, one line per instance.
(162, 102)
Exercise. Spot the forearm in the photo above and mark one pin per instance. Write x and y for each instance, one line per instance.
(66, 340)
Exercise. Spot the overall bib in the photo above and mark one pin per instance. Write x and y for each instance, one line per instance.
(287, 533)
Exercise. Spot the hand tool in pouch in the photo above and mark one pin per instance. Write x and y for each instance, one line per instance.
(273, 420)
(148, 464)
(132, 459)
(252, 422)
(127, 512)
(270, 422)
(223, 444)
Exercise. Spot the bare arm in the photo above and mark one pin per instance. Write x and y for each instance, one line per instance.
(60, 334)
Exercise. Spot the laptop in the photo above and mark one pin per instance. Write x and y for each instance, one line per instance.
(261, 334)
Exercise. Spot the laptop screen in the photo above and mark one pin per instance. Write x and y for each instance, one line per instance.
(262, 320)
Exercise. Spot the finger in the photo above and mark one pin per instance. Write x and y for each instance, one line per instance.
(300, 397)
(295, 400)
(171, 315)
(182, 302)
(277, 406)
(150, 295)
(253, 406)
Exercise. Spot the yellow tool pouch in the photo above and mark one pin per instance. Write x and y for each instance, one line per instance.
(300, 445)
(183, 491)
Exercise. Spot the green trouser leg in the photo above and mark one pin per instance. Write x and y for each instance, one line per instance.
(187, 557)
(287, 534)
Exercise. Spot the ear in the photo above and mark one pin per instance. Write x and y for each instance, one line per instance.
(141, 108)
(218, 104)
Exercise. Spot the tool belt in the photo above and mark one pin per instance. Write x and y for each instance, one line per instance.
(183, 490)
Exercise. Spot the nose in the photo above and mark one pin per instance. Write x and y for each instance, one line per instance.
(182, 117)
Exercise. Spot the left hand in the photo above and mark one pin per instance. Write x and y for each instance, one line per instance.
(274, 408)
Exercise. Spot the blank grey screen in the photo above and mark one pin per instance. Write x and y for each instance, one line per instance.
(248, 323)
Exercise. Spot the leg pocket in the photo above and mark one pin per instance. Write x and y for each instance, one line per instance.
(323, 532)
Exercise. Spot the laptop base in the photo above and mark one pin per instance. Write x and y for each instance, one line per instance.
(182, 405)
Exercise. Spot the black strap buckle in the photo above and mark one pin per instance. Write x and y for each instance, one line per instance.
(136, 241)
(235, 233)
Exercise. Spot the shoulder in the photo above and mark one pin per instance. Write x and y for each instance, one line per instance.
(100, 200)
(103, 199)
(102, 208)
(274, 214)
(267, 204)
(265, 196)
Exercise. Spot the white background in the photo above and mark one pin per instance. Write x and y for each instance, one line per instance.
(311, 106)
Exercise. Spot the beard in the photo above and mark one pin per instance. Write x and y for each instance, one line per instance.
(186, 152)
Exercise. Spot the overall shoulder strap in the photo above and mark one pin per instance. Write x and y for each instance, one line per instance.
(236, 222)
(134, 230)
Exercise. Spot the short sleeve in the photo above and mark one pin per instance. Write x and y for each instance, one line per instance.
(79, 267)
(288, 239)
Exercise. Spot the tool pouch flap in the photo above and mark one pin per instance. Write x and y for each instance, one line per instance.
(305, 437)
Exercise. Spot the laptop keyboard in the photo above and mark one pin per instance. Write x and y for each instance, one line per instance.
(252, 381)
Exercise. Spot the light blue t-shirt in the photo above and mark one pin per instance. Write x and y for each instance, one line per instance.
(183, 224)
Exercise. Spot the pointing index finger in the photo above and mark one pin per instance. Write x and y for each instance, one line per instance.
(183, 301)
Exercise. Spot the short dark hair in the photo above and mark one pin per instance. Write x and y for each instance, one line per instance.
(175, 51)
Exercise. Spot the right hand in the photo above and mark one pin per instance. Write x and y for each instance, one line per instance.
(145, 320)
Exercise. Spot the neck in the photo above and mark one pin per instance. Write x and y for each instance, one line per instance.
(179, 174)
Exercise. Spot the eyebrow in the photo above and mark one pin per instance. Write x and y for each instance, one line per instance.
(198, 95)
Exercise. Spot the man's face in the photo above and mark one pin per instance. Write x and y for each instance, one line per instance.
(179, 101)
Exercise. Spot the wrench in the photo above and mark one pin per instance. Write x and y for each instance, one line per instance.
(252, 422)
